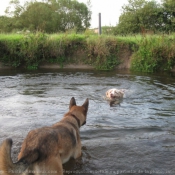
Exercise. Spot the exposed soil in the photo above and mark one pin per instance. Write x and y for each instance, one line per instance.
(68, 66)
(125, 55)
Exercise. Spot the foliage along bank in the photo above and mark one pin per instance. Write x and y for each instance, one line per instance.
(154, 53)
(149, 53)
(29, 50)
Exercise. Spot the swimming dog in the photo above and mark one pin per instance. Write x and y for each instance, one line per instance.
(114, 94)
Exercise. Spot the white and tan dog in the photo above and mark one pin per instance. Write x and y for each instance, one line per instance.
(114, 94)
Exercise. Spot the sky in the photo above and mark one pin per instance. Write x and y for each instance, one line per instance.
(110, 10)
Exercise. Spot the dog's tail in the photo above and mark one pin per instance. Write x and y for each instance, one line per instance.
(7, 167)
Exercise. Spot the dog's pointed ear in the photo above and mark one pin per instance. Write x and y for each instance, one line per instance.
(72, 102)
(86, 104)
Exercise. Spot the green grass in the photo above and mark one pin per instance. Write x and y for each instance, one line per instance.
(154, 53)
(150, 53)
(11, 36)
(130, 39)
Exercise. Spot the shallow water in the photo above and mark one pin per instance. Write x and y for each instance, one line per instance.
(136, 136)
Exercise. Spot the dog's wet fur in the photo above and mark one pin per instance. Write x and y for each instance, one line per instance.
(114, 94)
(45, 149)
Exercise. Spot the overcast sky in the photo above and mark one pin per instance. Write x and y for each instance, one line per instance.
(110, 10)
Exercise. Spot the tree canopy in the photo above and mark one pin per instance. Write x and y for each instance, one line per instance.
(48, 15)
(169, 14)
(140, 16)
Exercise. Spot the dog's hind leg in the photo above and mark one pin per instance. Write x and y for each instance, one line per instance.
(50, 166)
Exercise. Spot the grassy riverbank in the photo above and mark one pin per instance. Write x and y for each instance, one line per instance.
(149, 54)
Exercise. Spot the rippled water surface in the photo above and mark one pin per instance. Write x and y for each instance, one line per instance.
(136, 136)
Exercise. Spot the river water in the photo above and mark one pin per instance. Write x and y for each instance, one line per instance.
(136, 136)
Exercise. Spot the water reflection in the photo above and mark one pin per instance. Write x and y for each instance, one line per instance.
(136, 135)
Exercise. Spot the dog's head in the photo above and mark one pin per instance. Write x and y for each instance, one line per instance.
(115, 94)
(80, 112)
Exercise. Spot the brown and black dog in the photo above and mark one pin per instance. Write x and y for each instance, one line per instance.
(44, 150)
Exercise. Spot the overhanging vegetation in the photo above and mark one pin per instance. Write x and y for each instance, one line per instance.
(150, 53)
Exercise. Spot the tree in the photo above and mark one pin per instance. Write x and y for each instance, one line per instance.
(70, 14)
(50, 15)
(139, 15)
(38, 16)
(169, 15)
(6, 24)
(14, 9)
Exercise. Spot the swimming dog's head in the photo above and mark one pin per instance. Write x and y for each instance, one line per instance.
(113, 94)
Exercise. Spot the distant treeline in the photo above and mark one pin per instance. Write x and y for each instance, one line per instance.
(51, 16)
(48, 16)
(143, 16)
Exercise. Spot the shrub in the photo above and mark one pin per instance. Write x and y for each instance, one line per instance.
(102, 52)
(154, 53)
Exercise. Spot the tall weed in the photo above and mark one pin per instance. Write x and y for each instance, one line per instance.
(10, 53)
(154, 53)
(102, 52)
(26, 50)
(32, 49)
